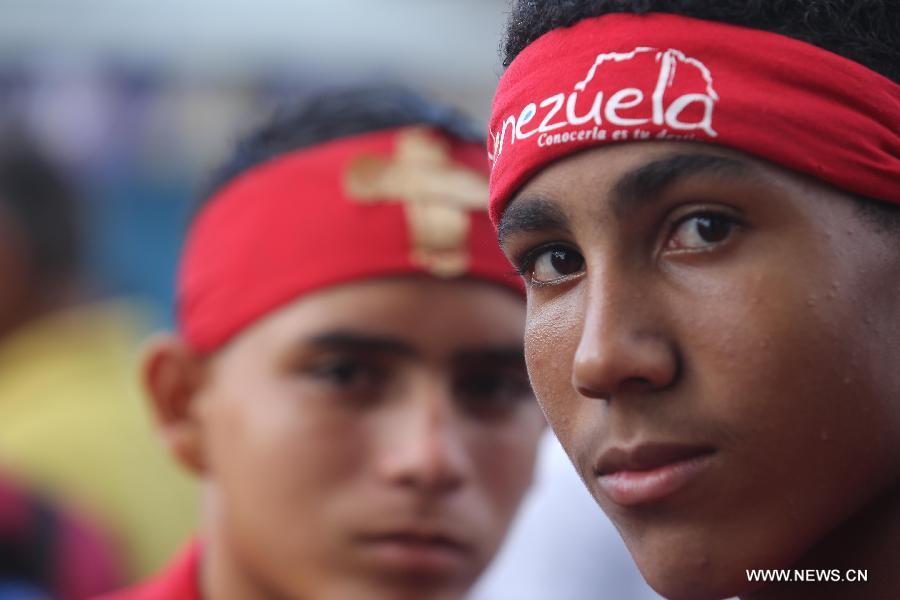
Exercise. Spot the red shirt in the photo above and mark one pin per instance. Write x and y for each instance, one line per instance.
(180, 581)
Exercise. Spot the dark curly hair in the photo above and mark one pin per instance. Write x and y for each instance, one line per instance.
(341, 113)
(866, 31)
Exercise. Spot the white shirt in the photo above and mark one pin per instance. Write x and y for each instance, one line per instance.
(561, 546)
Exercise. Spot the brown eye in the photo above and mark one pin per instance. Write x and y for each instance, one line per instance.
(556, 263)
(701, 232)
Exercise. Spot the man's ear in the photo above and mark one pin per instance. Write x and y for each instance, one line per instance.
(173, 376)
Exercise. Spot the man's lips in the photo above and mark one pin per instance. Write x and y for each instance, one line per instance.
(649, 472)
(417, 551)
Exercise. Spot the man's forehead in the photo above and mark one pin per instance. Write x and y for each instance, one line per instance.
(397, 314)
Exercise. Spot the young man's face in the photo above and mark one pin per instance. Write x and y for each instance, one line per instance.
(370, 441)
(716, 343)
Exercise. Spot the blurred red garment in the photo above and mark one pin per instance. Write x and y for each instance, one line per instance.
(180, 580)
(48, 551)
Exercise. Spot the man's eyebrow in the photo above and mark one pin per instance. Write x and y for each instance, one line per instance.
(354, 341)
(649, 181)
(633, 190)
(531, 213)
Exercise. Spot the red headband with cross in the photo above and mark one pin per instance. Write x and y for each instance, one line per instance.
(395, 202)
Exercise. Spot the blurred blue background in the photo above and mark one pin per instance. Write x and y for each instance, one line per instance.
(140, 99)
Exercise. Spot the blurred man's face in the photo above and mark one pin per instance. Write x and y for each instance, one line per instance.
(716, 343)
(371, 441)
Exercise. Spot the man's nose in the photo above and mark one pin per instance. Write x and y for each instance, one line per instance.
(623, 347)
(425, 447)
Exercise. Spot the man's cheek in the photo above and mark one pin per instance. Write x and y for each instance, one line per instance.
(552, 333)
(549, 370)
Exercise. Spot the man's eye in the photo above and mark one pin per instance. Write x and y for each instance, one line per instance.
(492, 393)
(554, 263)
(701, 232)
(346, 372)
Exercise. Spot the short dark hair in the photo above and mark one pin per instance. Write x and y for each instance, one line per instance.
(42, 201)
(341, 113)
(865, 31)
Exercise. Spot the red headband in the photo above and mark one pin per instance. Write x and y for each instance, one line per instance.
(396, 202)
(625, 77)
